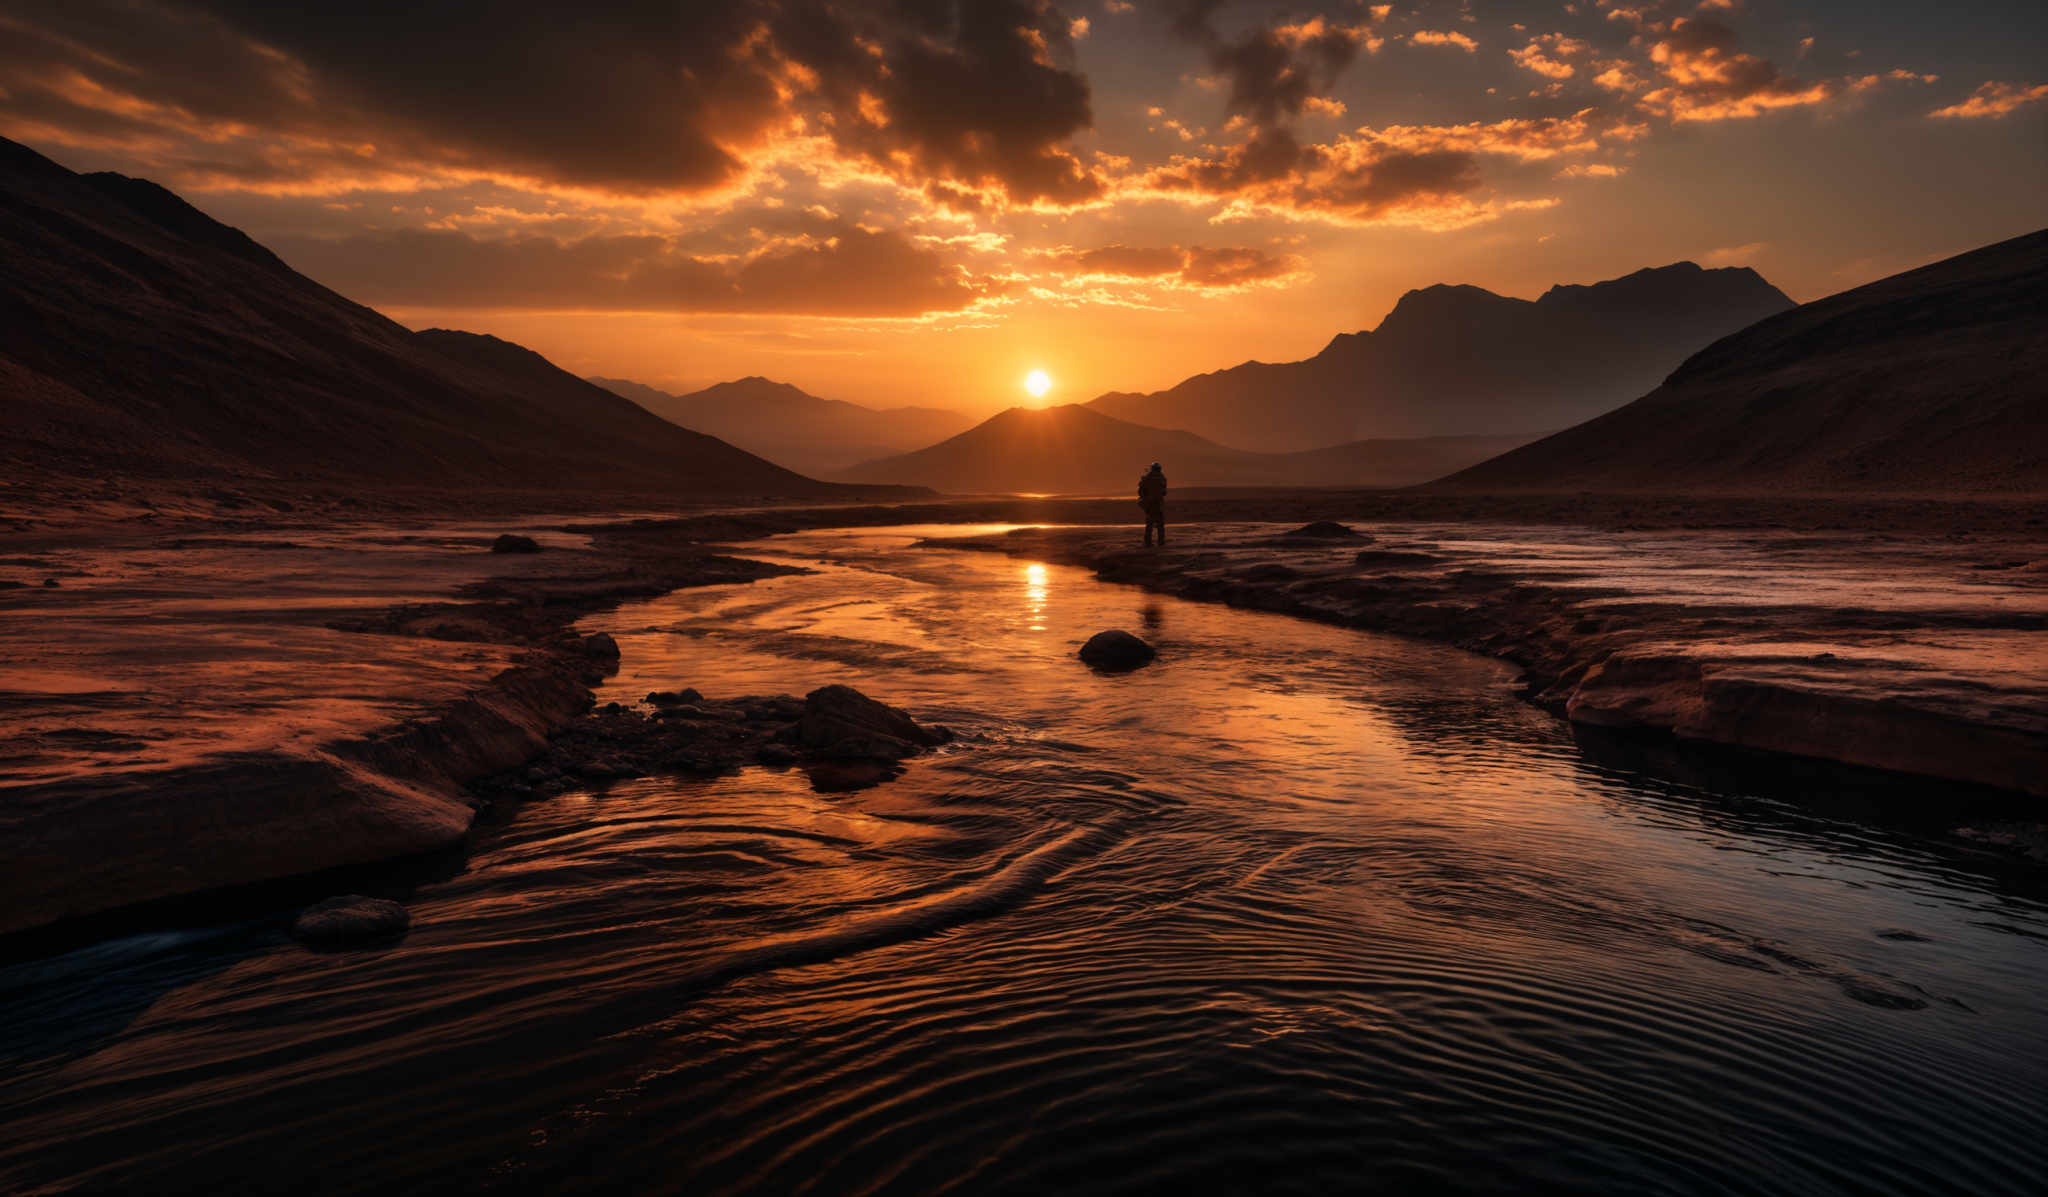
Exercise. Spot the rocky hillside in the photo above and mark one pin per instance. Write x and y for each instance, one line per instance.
(139, 336)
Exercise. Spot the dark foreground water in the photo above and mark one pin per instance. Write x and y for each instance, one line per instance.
(1296, 909)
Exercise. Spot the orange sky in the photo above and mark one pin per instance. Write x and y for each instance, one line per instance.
(892, 203)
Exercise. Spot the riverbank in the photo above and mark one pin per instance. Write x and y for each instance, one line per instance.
(1916, 655)
(193, 713)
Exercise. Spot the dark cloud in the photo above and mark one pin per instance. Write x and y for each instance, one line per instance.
(1274, 71)
(837, 270)
(631, 96)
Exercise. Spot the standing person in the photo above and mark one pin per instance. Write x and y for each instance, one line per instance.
(1152, 497)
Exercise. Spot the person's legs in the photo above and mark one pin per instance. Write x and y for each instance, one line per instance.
(1155, 519)
(1148, 529)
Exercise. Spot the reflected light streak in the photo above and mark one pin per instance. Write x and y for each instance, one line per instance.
(1036, 579)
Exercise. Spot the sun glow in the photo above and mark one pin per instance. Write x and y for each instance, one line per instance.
(1038, 382)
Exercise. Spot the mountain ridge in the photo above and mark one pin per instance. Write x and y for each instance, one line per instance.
(1453, 358)
(1074, 449)
(788, 425)
(1928, 382)
(139, 335)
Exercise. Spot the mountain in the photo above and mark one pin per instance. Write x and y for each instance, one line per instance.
(1458, 360)
(1077, 450)
(140, 336)
(1931, 382)
(797, 429)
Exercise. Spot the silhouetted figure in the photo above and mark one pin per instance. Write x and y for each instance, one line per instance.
(1152, 497)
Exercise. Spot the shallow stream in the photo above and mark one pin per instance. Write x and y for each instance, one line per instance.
(1294, 909)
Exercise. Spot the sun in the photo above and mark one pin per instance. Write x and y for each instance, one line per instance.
(1038, 382)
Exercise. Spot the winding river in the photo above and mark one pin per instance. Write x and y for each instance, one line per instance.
(1295, 909)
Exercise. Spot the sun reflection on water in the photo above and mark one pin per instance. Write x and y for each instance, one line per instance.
(1036, 585)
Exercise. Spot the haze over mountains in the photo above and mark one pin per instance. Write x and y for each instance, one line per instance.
(139, 335)
(788, 426)
(1931, 382)
(1458, 360)
(1072, 449)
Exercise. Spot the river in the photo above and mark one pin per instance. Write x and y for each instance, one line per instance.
(1294, 909)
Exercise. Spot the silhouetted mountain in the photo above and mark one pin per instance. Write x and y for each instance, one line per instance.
(1076, 450)
(139, 335)
(793, 428)
(1452, 360)
(1930, 382)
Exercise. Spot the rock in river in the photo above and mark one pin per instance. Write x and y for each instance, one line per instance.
(509, 543)
(350, 918)
(1325, 530)
(841, 722)
(1116, 650)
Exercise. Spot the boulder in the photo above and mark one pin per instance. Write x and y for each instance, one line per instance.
(350, 918)
(1116, 650)
(509, 543)
(842, 723)
(1325, 530)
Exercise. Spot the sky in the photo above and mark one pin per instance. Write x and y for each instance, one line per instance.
(922, 201)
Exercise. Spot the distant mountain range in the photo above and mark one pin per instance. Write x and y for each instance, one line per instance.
(141, 336)
(1931, 382)
(793, 428)
(1077, 450)
(1456, 360)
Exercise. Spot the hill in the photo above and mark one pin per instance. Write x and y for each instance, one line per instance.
(792, 427)
(1074, 449)
(140, 336)
(1454, 360)
(1932, 382)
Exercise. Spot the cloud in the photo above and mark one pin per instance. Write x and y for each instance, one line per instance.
(1992, 101)
(643, 97)
(1364, 180)
(1274, 72)
(1546, 55)
(1191, 266)
(1707, 79)
(831, 269)
(1430, 37)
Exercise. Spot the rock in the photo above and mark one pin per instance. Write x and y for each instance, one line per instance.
(51, 583)
(1393, 558)
(351, 918)
(508, 543)
(1325, 530)
(775, 754)
(598, 646)
(1116, 650)
(1269, 571)
(841, 722)
(673, 698)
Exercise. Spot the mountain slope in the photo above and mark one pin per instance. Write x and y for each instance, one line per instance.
(1452, 360)
(1076, 450)
(1930, 382)
(139, 335)
(787, 425)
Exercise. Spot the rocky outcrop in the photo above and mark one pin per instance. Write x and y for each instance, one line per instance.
(511, 543)
(351, 919)
(840, 722)
(1116, 651)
